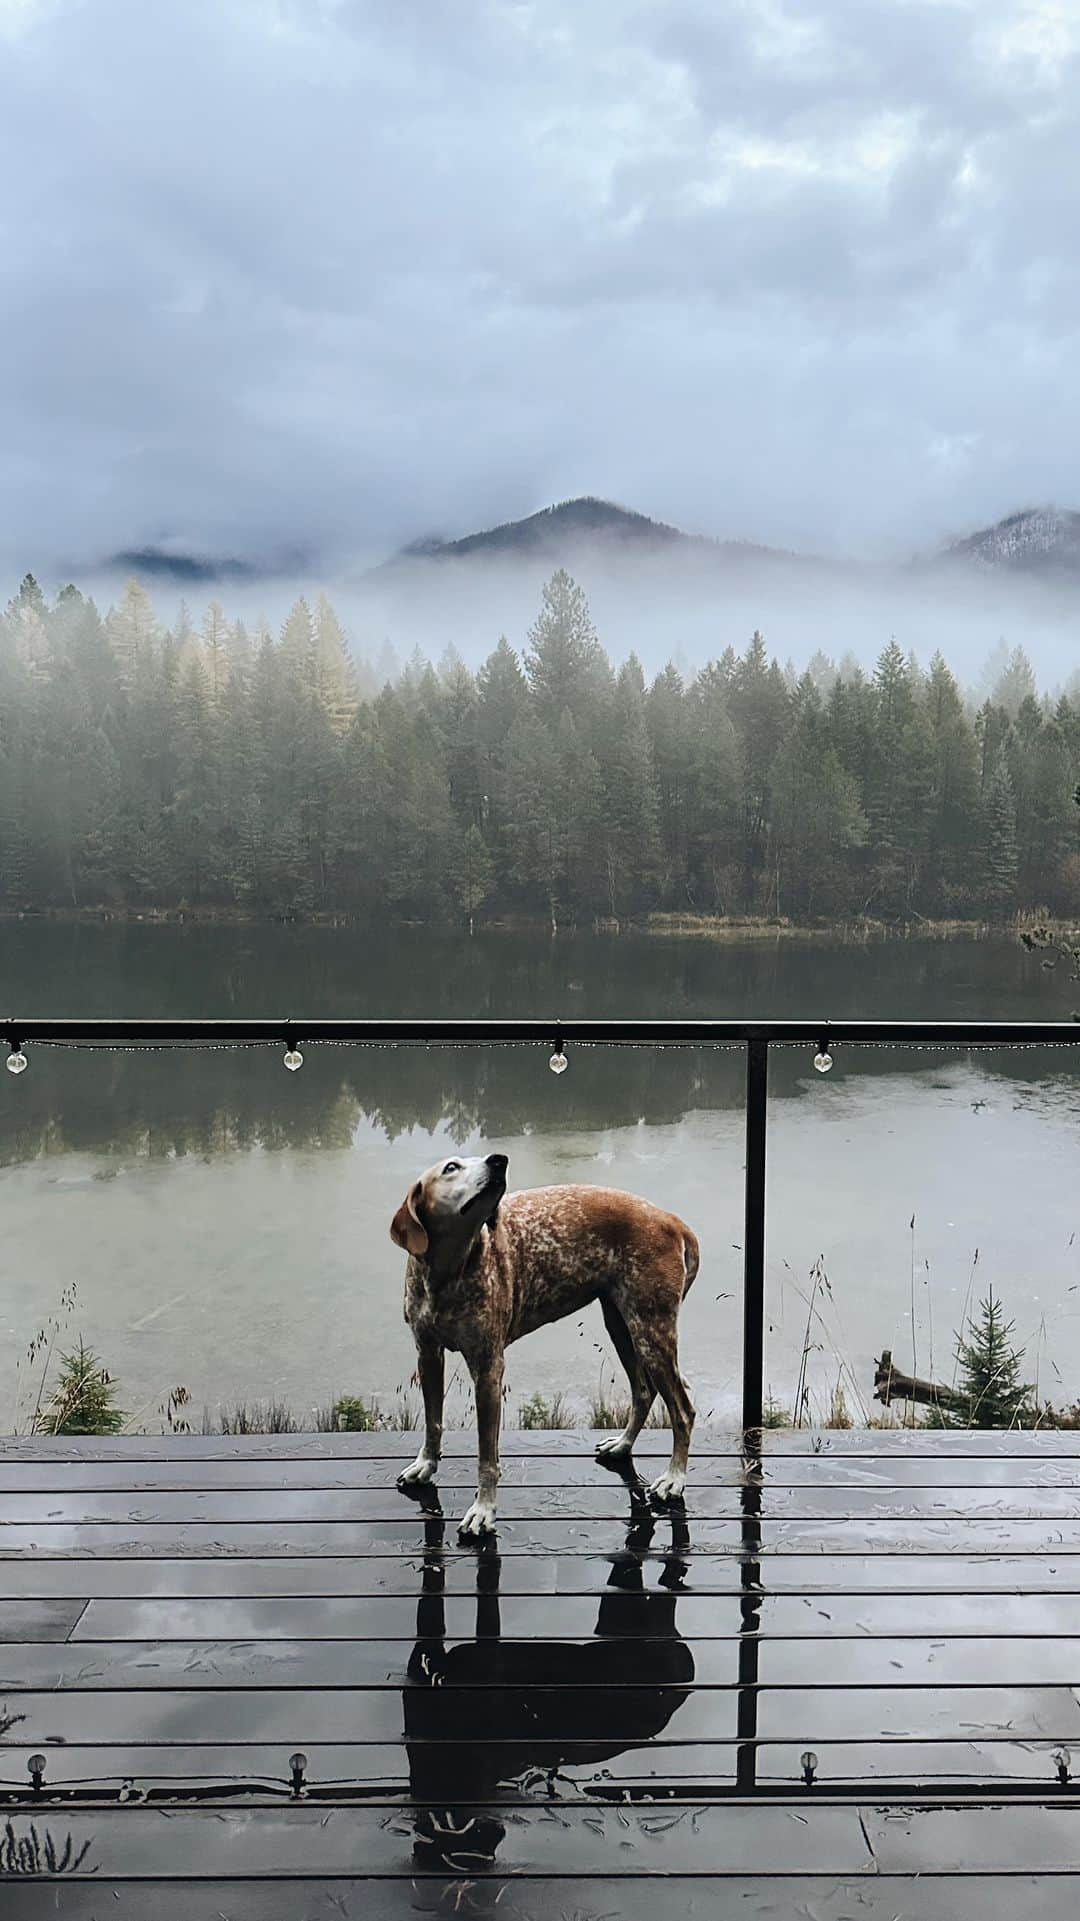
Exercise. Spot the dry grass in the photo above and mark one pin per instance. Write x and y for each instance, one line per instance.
(604, 1413)
(537, 1412)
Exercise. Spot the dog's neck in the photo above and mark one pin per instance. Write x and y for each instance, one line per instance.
(446, 1265)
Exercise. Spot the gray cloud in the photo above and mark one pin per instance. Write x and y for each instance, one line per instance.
(330, 273)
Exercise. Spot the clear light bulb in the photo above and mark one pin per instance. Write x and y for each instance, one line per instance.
(17, 1062)
(558, 1063)
(293, 1059)
(823, 1062)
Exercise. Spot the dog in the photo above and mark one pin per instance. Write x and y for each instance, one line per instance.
(484, 1270)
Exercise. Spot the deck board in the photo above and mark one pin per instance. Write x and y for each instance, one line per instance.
(605, 1697)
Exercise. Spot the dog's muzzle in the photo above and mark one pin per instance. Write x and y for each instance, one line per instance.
(495, 1183)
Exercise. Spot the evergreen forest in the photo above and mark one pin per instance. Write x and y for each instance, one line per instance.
(208, 766)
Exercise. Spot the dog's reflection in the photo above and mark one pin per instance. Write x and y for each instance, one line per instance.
(480, 1715)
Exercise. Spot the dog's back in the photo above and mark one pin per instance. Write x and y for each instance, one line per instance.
(554, 1249)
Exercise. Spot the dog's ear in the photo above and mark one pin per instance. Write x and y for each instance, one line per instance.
(406, 1228)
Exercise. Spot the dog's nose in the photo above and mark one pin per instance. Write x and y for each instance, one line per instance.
(498, 1162)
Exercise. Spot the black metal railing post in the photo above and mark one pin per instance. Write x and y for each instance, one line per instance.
(753, 1362)
(751, 1597)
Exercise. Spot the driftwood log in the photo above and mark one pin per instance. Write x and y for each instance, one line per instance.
(890, 1384)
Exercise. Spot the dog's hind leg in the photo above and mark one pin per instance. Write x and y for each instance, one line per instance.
(657, 1348)
(642, 1394)
(431, 1360)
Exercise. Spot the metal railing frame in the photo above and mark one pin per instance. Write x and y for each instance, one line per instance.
(756, 1038)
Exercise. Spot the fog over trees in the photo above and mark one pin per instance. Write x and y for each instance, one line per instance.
(212, 766)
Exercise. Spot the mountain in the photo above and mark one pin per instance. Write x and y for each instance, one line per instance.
(1039, 540)
(569, 526)
(176, 565)
(571, 520)
(154, 563)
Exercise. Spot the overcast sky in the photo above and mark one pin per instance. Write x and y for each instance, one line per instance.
(327, 274)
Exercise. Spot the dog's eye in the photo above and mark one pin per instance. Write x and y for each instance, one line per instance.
(452, 1167)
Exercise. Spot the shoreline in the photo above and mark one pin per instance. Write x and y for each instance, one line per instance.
(855, 931)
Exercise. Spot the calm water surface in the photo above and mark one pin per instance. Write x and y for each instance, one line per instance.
(226, 1224)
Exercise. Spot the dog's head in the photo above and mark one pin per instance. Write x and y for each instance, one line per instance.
(443, 1212)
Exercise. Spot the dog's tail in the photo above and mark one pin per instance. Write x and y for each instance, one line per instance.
(691, 1254)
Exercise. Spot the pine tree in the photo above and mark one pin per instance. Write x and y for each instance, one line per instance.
(989, 1372)
(335, 676)
(15, 849)
(84, 1399)
(579, 804)
(991, 734)
(668, 715)
(816, 812)
(565, 663)
(758, 703)
(458, 721)
(133, 633)
(1000, 854)
(472, 872)
(298, 645)
(502, 701)
(28, 623)
(533, 835)
(952, 797)
(713, 790)
(216, 637)
(631, 841)
(1015, 684)
(823, 671)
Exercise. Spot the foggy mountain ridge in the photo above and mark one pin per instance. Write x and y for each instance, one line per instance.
(159, 565)
(177, 564)
(659, 591)
(1036, 539)
(1033, 540)
(584, 520)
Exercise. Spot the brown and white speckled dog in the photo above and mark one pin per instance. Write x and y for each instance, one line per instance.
(484, 1270)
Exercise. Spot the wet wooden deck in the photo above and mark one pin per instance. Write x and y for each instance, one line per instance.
(545, 1727)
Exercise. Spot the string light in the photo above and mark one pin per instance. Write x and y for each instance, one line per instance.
(809, 1767)
(293, 1058)
(298, 1769)
(17, 1062)
(35, 1767)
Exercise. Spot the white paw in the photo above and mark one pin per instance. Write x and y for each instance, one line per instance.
(422, 1469)
(617, 1448)
(670, 1486)
(479, 1520)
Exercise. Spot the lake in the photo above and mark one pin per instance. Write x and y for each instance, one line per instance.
(225, 1223)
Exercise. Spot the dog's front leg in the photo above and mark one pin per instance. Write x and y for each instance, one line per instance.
(487, 1374)
(431, 1360)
